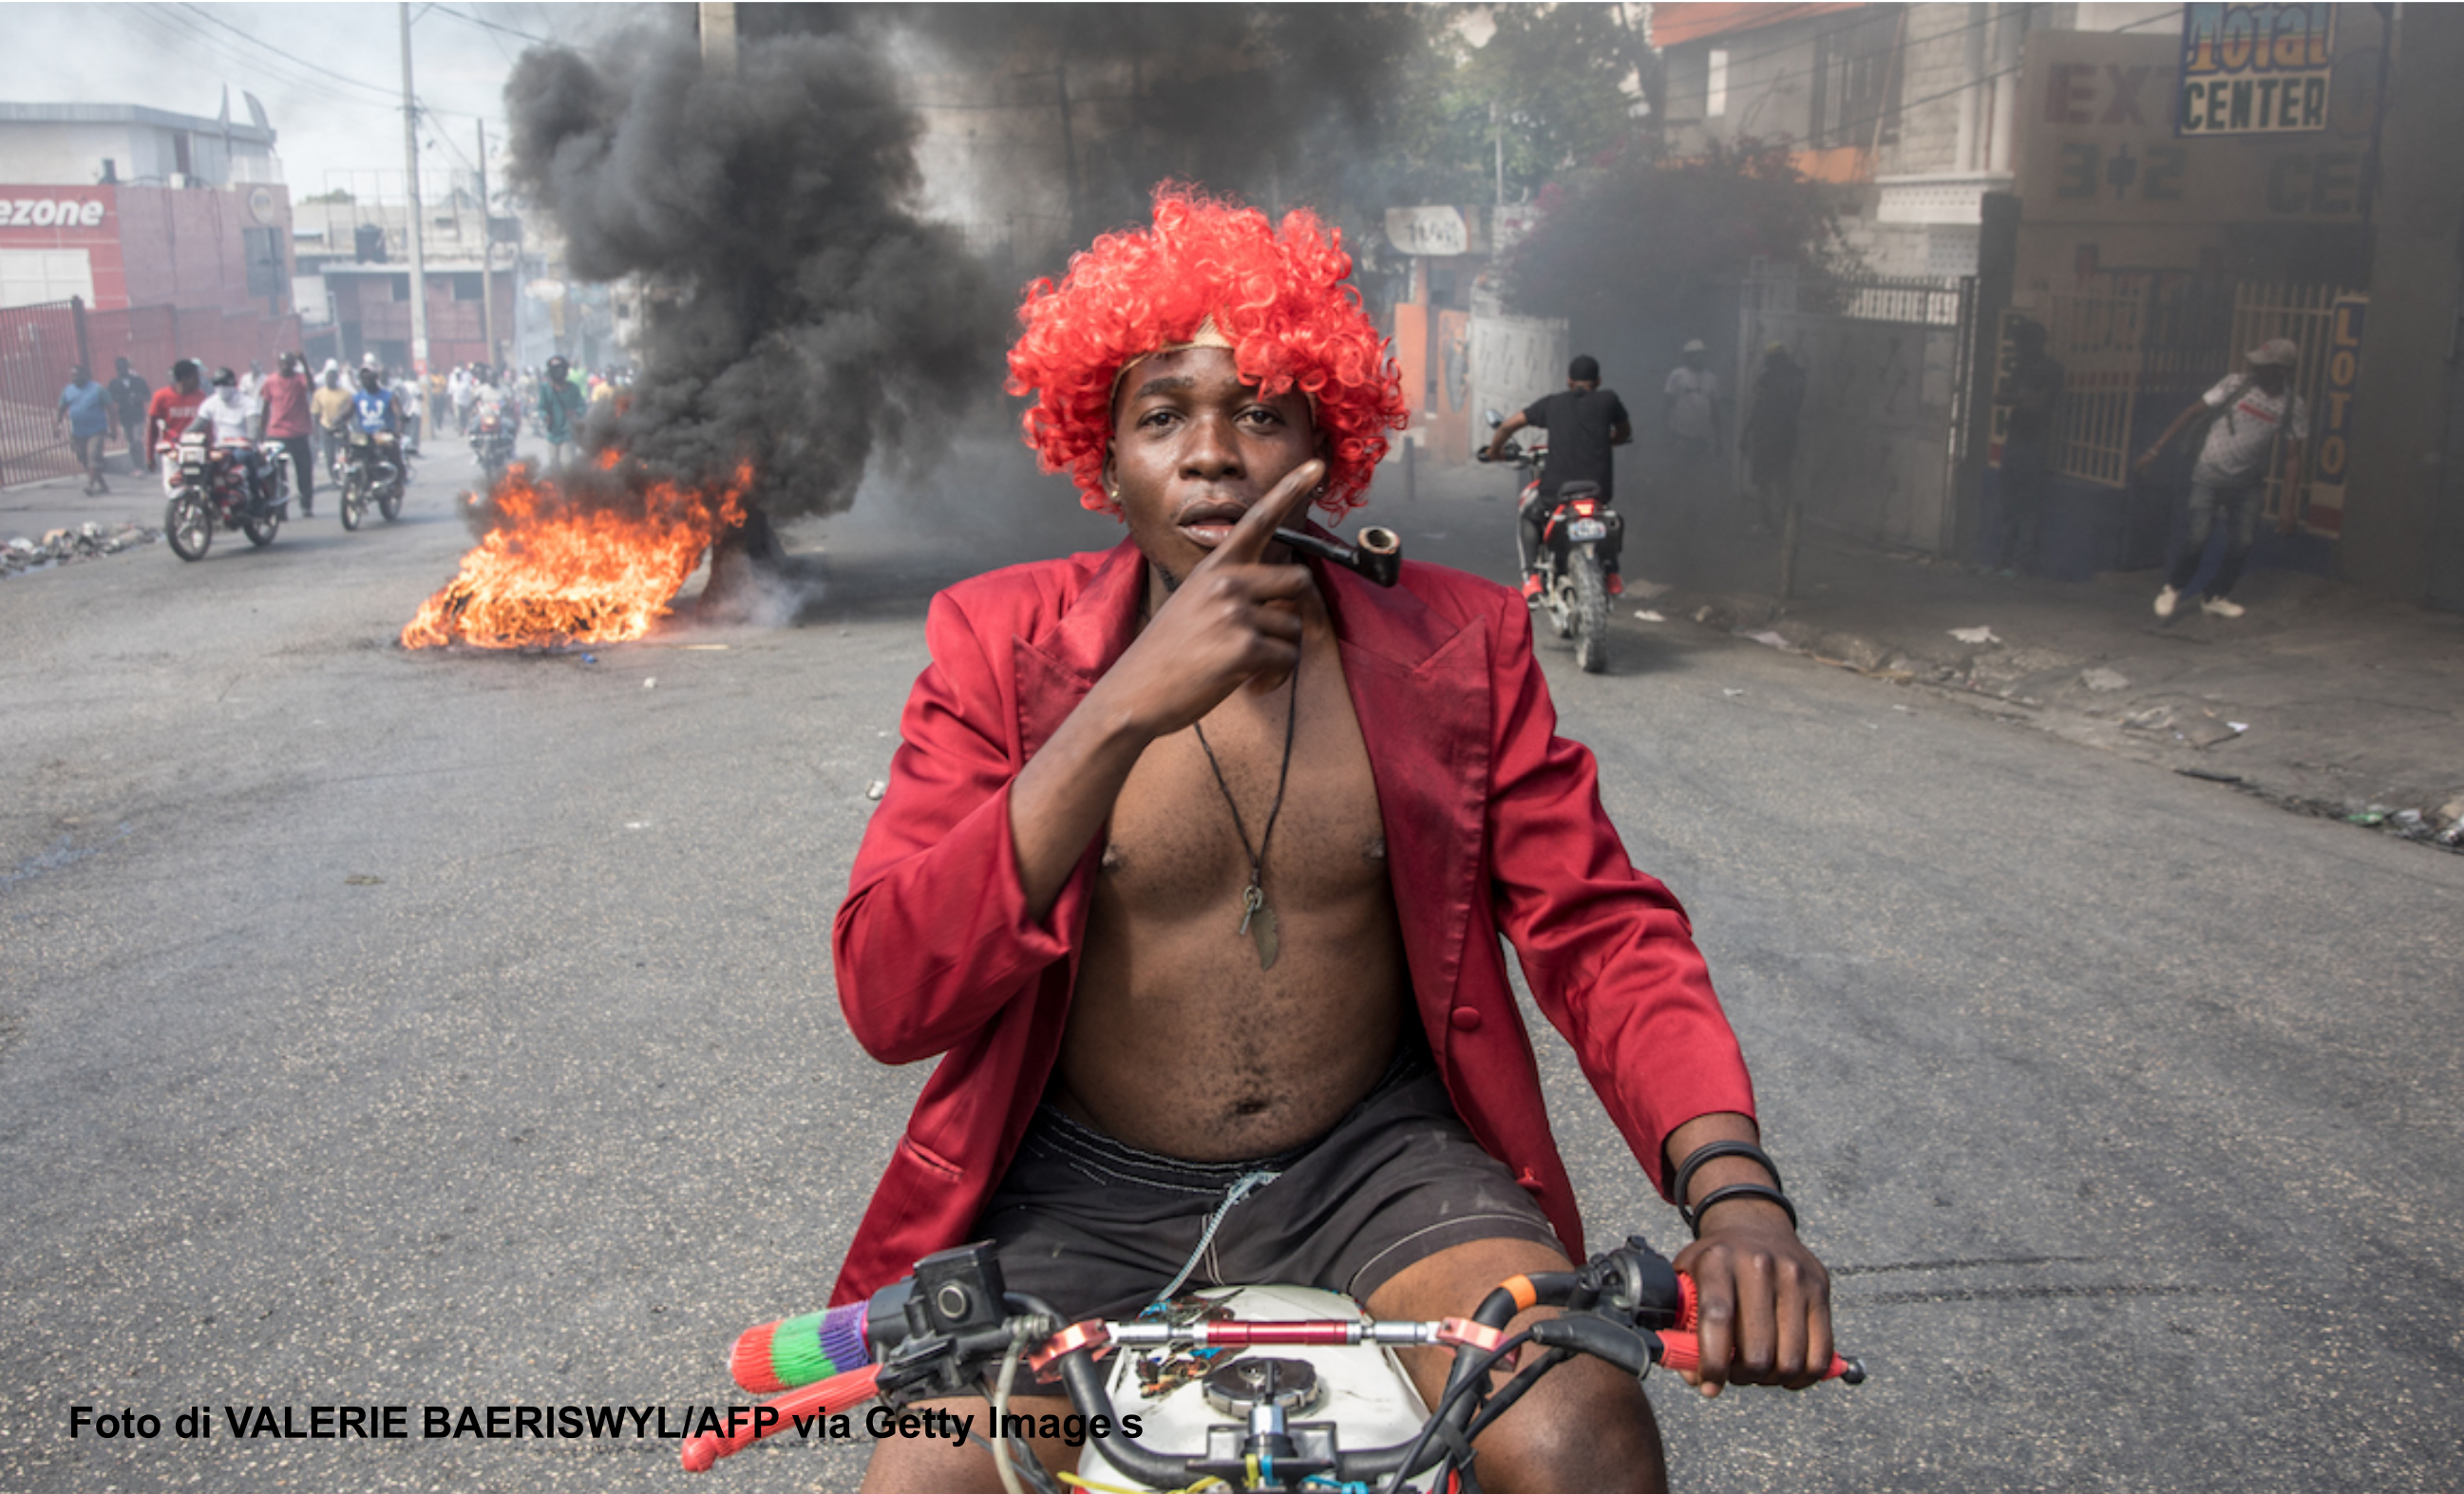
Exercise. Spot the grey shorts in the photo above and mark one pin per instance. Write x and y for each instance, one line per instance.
(1098, 1229)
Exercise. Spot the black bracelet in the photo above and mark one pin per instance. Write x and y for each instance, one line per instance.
(1694, 1216)
(1704, 1153)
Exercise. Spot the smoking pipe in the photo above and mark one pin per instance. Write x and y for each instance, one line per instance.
(1379, 556)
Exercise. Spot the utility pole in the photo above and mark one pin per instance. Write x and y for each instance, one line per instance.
(418, 244)
(1497, 139)
(487, 255)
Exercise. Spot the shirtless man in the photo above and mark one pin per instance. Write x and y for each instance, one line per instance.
(1212, 949)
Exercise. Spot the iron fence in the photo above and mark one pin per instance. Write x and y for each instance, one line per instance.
(40, 344)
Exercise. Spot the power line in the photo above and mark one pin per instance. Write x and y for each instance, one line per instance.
(464, 16)
(224, 51)
(322, 72)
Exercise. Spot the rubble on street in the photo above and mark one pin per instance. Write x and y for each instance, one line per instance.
(87, 541)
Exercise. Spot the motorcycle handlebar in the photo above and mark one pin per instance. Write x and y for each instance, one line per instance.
(1627, 1306)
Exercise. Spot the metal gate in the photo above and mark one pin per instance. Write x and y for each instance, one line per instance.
(1888, 387)
(2126, 344)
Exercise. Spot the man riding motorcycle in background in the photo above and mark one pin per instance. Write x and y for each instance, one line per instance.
(1584, 422)
(173, 405)
(230, 418)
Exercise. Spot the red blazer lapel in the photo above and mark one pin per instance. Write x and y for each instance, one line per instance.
(1056, 670)
(1419, 685)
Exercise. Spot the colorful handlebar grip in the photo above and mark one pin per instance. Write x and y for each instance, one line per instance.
(799, 1351)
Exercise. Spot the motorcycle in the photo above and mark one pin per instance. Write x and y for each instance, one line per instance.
(492, 445)
(1339, 1415)
(1576, 539)
(373, 471)
(207, 488)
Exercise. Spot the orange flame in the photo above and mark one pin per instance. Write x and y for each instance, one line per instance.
(550, 573)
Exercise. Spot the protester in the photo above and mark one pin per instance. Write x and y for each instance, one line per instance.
(560, 409)
(286, 399)
(459, 388)
(331, 409)
(1767, 440)
(233, 420)
(2255, 415)
(88, 409)
(412, 403)
(173, 405)
(2032, 390)
(130, 394)
(1690, 419)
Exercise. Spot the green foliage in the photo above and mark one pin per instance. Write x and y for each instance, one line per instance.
(1549, 82)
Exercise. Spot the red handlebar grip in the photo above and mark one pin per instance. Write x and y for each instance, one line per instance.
(829, 1396)
(1682, 1352)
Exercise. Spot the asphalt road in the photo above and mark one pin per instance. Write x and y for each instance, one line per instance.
(379, 1027)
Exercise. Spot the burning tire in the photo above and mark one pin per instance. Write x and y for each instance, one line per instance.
(189, 526)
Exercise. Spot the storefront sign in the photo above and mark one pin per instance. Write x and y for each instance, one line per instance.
(2099, 147)
(2326, 512)
(1428, 230)
(19, 210)
(2255, 69)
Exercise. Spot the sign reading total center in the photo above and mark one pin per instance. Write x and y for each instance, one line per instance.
(2255, 69)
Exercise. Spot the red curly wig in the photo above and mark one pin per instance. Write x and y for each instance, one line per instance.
(1280, 297)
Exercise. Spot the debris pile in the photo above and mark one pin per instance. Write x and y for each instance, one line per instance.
(87, 541)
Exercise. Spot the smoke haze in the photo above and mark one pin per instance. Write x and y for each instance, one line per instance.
(802, 316)
(806, 319)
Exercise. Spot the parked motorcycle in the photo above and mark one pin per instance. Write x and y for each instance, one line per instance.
(1579, 535)
(373, 471)
(208, 488)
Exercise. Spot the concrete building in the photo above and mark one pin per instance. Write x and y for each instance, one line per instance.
(126, 205)
(353, 243)
(1913, 111)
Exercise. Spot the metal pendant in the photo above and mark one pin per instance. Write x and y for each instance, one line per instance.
(1262, 934)
(1258, 922)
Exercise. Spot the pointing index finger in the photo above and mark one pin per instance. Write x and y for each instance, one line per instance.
(1249, 538)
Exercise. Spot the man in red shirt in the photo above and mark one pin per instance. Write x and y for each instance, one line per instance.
(173, 405)
(1194, 862)
(285, 398)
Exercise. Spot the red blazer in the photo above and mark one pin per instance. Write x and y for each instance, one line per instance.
(1493, 822)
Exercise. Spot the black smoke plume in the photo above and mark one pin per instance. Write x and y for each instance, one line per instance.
(800, 316)
(803, 320)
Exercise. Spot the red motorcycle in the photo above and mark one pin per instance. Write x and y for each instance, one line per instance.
(1579, 536)
(210, 488)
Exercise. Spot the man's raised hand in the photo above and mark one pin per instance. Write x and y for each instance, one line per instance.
(1233, 619)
